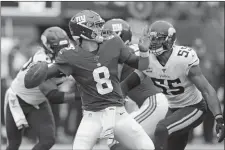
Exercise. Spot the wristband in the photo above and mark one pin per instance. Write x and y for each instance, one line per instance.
(218, 116)
(144, 54)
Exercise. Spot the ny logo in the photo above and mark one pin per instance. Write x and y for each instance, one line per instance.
(81, 19)
(117, 27)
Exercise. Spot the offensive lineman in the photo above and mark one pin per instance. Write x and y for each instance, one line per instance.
(175, 69)
(94, 65)
(29, 107)
(153, 104)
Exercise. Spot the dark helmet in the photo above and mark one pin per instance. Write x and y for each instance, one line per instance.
(53, 40)
(86, 24)
(162, 36)
(119, 27)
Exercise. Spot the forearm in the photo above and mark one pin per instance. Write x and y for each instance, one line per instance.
(130, 82)
(57, 97)
(213, 102)
(132, 61)
(143, 63)
(140, 63)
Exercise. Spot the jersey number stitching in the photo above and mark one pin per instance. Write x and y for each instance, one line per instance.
(104, 84)
(161, 84)
(184, 51)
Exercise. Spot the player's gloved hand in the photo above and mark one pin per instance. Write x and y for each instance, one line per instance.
(143, 45)
(219, 127)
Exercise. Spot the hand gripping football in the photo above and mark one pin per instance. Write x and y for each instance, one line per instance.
(36, 74)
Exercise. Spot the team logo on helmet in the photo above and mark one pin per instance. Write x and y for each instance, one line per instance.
(86, 24)
(162, 37)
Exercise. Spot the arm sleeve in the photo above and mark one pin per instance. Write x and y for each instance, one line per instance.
(130, 82)
(50, 90)
(125, 51)
(55, 97)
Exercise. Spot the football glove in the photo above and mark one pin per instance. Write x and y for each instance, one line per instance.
(219, 128)
(143, 45)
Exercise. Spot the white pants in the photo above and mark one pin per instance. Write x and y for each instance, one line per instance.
(107, 123)
(151, 112)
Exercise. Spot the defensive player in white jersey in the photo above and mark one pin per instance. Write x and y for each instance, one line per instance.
(175, 69)
(152, 103)
(29, 107)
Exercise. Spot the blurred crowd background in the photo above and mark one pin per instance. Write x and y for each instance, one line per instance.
(198, 24)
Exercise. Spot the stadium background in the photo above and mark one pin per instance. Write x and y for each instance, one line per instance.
(198, 24)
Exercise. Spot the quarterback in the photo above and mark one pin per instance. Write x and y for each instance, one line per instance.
(175, 69)
(29, 107)
(94, 65)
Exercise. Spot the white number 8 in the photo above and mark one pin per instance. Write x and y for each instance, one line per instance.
(104, 80)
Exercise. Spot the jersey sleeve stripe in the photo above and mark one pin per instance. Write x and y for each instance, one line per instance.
(144, 111)
(193, 63)
(150, 110)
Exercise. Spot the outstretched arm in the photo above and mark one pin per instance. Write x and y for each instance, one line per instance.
(40, 72)
(50, 90)
(56, 69)
(138, 62)
(209, 94)
(133, 80)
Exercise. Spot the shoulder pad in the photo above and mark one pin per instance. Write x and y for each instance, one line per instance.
(188, 56)
(70, 47)
(188, 53)
(40, 55)
(192, 58)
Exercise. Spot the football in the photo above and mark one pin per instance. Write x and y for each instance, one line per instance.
(36, 74)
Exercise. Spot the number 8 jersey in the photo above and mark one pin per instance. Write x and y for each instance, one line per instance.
(172, 78)
(96, 74)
